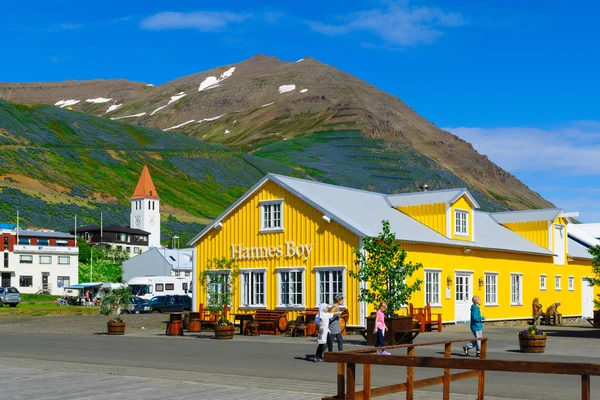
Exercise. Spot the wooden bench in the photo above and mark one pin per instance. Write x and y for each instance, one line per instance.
(425, 318)
(272, 322)
(209, 317)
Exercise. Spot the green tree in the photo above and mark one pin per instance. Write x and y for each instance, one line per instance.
(595, 281)
(382, 264)
(114, 302)
(217, 279)
(104, 270)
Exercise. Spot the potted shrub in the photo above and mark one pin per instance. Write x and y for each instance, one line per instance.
(217, 282)
(595, 281)
(532, 340)
(113, 303)
(382, 265)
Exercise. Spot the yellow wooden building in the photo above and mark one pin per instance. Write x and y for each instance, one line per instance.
(293, 240)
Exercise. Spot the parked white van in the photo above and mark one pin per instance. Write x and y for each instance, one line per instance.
(147, 287)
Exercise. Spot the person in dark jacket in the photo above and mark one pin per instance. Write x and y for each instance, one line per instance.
(476, 326)
(335, 330)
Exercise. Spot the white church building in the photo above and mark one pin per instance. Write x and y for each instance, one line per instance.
(142, 234)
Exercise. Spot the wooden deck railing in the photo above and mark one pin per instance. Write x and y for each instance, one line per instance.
(476, 367)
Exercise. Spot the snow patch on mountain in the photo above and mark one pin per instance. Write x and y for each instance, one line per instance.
(99, 100)
(286, 88)
(176, 97)
(113, 107)
(226, 131)
(304, 91)
(210, 119)
(268, 104)
(66, 103)
(180, 125)
(212, 81)
(130, 116)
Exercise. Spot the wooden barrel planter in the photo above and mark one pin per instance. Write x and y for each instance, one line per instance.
(532, 343)
(224, 331)
(194, 324)
(116, 328)
(175, 325)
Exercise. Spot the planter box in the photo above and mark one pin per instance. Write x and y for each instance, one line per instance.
(116, 328)
(224, 331)
(532, 343)
(394, 333)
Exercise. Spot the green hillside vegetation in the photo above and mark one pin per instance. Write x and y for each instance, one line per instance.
(345, 157)
(56, 163)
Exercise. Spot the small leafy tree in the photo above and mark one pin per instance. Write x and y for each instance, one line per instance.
(595, 281)
(383, 266)
(217, 279)
(115, 301)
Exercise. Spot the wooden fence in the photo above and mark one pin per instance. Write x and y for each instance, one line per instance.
(475, 367)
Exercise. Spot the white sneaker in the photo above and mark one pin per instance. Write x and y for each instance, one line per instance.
(386, 353)
(378, 352)
(466, 350)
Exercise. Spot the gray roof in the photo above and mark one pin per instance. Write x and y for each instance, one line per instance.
(547, 214)
(362, 212)
(45, 234)
(430, 197)
(577, 250)
(592, 229)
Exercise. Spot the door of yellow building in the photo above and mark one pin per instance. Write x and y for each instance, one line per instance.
(463, 289)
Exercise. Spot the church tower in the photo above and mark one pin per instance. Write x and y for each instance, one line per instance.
(145, 208)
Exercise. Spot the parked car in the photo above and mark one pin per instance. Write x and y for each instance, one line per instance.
(137, 306)
(10, 296)
(173, 303)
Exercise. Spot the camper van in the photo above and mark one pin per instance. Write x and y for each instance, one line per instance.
(147, 287)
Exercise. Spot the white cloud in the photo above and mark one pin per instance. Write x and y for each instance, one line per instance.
(400, 24)
(205, 21)
(571, 149)
(70, 26)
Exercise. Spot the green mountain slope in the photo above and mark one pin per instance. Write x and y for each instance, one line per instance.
(345, 157)
(55, 164)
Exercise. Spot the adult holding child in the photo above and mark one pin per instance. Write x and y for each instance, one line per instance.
(335, 330)
(323, 317)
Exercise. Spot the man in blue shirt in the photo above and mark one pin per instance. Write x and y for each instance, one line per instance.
(476, 326)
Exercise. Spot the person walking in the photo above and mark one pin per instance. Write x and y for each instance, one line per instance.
(476, 326)
(335, 331)
(323, 317)
(380, 328)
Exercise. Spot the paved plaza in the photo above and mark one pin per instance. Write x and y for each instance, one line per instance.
(152, 366)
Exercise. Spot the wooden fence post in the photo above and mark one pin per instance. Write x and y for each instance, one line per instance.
(585, 387)
(446, 382)
(350, 381)
(410, 376)
(481, 383)
(366, 382)
(341, 381)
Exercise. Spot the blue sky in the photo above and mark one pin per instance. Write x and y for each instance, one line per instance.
(517, 79)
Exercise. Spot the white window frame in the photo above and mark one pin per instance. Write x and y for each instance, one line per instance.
(544, 287)
(457, 232)
(62, 279)
(571, 283)
(25, 259)
(270, 203)
(485, 288)
(49, 258)
(283, 270)
(243, 289)
(519, 295)
(437, 272)
(318, 293)
(557, 283)
(68, 258)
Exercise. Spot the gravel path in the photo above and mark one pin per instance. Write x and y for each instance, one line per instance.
(82, 324)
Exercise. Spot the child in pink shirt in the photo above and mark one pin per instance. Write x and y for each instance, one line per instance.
(380, 328)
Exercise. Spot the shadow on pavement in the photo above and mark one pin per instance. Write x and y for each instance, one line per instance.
(574, 332)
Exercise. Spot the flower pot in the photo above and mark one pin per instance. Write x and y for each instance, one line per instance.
(532, 343)
(224, 331)
(116, 328)
(395, 332)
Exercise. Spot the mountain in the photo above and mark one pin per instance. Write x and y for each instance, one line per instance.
(55, 164)
(306, 115)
